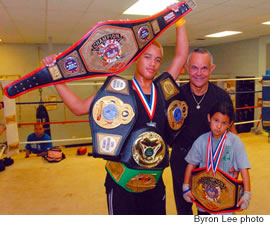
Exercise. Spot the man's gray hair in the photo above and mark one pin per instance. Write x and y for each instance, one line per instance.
(201, 51)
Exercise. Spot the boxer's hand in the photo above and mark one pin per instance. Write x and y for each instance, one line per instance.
(244, 200)
(49, 60)
(187, 195)
(174, 7)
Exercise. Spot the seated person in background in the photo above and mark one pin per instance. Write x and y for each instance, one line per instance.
(41, 149)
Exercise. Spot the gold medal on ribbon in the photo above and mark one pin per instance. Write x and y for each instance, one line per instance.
(148, 149)
(110, 112)
(176, 113)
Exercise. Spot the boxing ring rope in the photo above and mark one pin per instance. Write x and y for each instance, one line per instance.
(32, 103)
(54, 122)
(227, 79)
(248, 107)
(55, 141)
(246, 122)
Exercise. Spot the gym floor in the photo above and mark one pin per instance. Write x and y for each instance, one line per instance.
(75, 186)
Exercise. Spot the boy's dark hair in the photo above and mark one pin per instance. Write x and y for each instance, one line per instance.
(223, 107)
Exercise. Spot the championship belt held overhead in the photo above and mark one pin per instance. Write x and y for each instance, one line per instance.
(106, 49)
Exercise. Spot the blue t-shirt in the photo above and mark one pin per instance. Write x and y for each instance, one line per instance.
(38, 147)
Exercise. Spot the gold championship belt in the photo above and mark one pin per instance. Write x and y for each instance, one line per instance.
(112, 115)
(174, 101)
(215, 194)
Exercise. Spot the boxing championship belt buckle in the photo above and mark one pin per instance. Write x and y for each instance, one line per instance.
(266, 103)
(145, 149)
(215, 194)
(112, 115)
(133, 180)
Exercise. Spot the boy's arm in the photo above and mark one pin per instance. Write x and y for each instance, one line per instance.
(75, 104)
(186, 188)
(188, 171)
(246, 179)
(181, 48)
(245, 199)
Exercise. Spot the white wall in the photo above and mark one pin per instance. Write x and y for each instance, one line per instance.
(237, 58)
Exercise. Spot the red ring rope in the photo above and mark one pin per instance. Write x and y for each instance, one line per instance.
(56, 122)
(248, 107)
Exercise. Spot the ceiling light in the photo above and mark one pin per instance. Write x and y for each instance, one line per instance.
(149, 7)
(223, 34)
(266, 23)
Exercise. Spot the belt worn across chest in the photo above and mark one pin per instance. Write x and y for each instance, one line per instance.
(112, 116)
(142, 152)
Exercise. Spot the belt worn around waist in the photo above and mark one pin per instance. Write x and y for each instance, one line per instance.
(133, 180)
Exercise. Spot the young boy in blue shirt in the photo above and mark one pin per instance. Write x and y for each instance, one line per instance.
(233, 153)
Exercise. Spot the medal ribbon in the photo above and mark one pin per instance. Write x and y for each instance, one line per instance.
(214, 156)
(150, 107)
